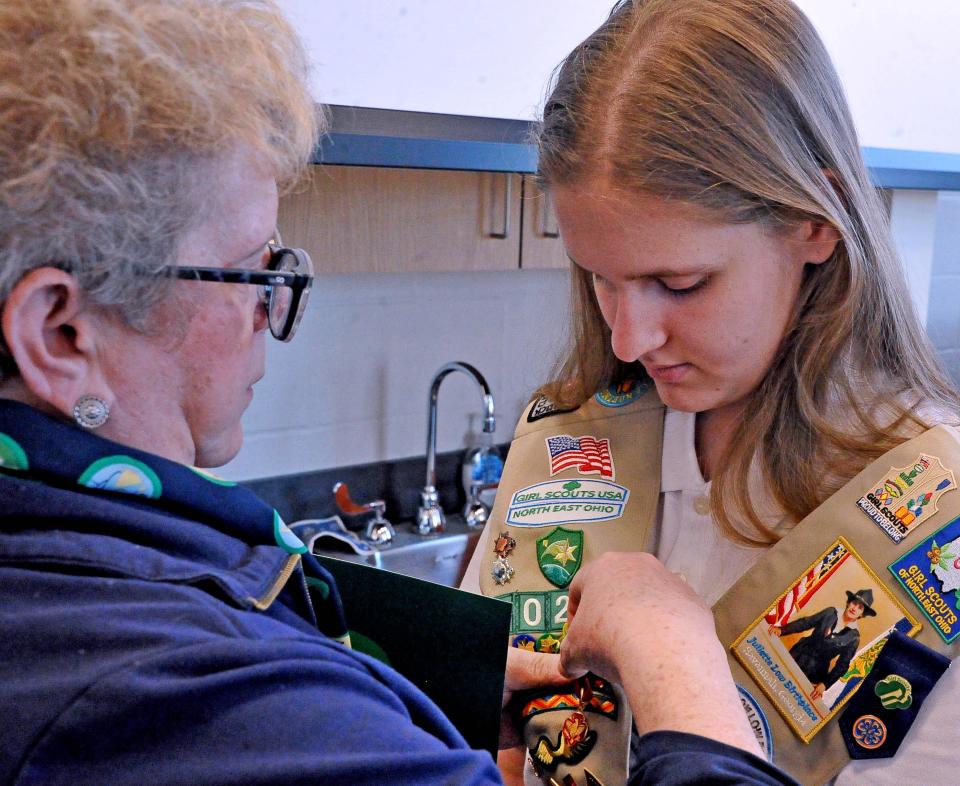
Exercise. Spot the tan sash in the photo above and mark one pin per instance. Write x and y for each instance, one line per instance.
(543, 497)
(621, 501)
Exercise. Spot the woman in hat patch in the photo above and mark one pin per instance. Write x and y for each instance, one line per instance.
(824, 656)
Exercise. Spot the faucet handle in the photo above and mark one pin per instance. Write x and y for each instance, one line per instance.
(341, 495)
(379, 530)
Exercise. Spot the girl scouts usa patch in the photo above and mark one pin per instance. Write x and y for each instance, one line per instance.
(813, 646)
(930, 575)
(905, 497)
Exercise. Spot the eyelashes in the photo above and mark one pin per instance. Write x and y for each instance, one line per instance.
(600, 283)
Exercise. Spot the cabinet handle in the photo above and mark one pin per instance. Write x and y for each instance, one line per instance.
(545, 213)
(507, 199)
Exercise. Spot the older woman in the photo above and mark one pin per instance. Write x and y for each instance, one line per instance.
(162, 625)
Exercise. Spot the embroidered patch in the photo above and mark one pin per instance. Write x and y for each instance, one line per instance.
(548, 643)
(757, 719)
(559, 555)
(538, 612)
(598, 697)
(123, 474)
(566, 502)
(930, 575)
(869, 732)
(12, 456)
(587, 455)
(812, 647)
(524, 641)
(215, 479)
(545, 408)
(622, 393)
(285, 537)
(907, 496)
(573, 744)
(894, 692)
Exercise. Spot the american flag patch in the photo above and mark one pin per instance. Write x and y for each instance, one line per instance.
(587, 455)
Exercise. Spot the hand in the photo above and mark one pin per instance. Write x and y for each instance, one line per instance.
(633, 621)
(774, 630)
(817, 692)
(622, 603)
(525, 670)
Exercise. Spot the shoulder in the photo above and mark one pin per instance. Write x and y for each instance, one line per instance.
(624, 398)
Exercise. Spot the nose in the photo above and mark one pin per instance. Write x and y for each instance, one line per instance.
(637, 326)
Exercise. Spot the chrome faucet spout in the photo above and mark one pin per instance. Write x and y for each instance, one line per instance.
(430, 516)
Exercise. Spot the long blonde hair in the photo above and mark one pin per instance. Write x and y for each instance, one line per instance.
(734, 105)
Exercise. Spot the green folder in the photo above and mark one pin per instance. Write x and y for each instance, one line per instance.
(449, 643)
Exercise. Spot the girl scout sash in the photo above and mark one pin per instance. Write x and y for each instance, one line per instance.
(873, 573)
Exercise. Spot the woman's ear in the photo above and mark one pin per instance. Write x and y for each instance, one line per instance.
(50, 337)
(818, 241)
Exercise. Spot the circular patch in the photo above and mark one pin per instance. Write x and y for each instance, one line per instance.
(622, 393)
(524, 641)
(123, 474)
(548, 643)
(758, 722)
(211, 477)
(869, 732)
(12, 456)
(285, 537)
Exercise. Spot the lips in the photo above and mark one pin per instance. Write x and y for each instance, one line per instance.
(668, 374)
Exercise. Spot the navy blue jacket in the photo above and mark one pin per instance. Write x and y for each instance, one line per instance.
(152, 637)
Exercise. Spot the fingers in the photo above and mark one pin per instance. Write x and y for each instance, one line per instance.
(527, 669)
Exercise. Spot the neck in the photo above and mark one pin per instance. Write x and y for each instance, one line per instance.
(714, 429)
(127, 427)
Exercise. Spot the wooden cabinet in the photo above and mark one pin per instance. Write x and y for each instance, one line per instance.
(381, 220)
(541, 246)
(372, 219)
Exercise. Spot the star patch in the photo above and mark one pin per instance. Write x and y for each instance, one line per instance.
(560, 555)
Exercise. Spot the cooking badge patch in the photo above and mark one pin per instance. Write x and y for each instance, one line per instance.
(905, 497)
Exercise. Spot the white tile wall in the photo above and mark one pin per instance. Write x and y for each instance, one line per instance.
(352, 387)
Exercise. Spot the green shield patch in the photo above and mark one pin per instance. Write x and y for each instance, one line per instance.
(560, 555)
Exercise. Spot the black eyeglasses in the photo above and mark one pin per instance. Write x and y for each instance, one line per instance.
(283, 287)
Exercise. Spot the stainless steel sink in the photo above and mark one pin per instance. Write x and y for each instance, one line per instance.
(441, 558)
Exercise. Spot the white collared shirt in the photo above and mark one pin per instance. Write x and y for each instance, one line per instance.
(688, 541)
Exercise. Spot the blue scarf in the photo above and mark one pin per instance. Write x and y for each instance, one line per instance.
(40, 448)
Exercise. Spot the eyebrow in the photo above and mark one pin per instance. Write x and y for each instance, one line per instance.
(661, 273)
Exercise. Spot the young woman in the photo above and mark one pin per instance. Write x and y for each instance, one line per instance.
(728, 250)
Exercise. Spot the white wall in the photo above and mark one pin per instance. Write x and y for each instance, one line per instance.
(898, 60)
(943, 321)
(352, 386)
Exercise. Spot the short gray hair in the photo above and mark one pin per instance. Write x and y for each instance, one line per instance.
(113, 115)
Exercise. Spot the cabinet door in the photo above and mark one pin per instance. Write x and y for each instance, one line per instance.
(380, 220)
(542, 247)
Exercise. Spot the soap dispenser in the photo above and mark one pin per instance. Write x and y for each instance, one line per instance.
(480, 474)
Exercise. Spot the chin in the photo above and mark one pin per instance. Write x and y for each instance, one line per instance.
(686, 400)
(218, 451)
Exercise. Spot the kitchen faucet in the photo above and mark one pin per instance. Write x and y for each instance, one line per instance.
(430, 516)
